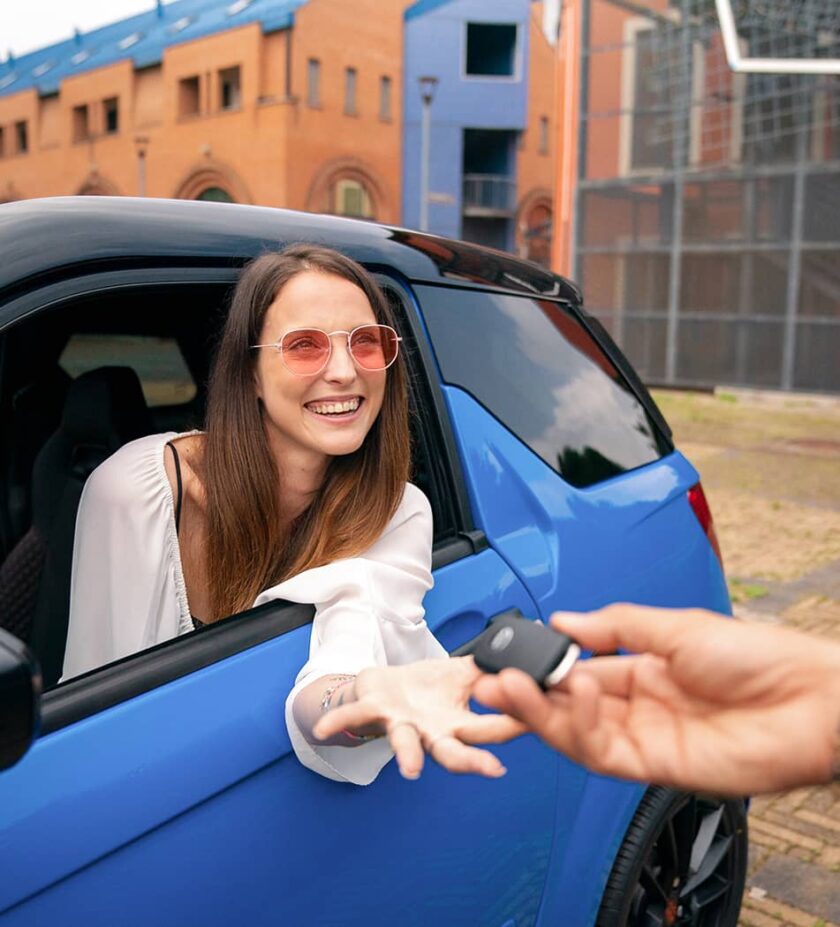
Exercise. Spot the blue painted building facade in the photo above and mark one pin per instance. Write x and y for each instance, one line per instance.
(478, 50)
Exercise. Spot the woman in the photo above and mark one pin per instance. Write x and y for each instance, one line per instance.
(296, 489)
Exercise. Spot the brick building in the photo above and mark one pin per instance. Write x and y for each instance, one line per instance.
(295, 103)
(276, 102)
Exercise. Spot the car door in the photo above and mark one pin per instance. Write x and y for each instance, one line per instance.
(163, 788)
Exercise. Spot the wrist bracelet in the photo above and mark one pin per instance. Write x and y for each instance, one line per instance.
(361, 738)
(329, 692)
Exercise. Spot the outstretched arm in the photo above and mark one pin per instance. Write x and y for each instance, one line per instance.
(704, 704)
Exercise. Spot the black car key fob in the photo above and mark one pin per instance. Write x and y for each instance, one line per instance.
(512, 640)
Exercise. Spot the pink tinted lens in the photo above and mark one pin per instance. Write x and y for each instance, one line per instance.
(374, 347)
(305, 350)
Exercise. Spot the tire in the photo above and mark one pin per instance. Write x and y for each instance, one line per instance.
(682, 863)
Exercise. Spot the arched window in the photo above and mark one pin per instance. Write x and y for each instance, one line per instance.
(347, 187)
(534, 230)
(215, 195)
(351, 198)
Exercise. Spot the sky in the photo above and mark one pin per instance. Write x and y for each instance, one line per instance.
(29, 24)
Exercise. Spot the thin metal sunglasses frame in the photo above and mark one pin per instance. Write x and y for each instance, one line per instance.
(278, 346)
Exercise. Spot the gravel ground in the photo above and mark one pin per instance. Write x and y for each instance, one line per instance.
(770, 465)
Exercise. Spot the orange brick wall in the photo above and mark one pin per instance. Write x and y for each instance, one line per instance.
(366, 35)
(273, 150)
(535, 167)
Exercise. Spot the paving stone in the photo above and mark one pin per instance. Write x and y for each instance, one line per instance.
(784, 913)
(761, 826)
(750, 917)
(799, 887)
(807, 830)
(820, 820)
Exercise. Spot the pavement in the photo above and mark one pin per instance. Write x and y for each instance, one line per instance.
(794, 860)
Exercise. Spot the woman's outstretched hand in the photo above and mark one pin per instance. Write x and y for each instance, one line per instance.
(424, 707)
(707, 704)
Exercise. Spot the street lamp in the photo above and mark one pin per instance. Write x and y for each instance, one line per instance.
(428, 85)
(141, 144)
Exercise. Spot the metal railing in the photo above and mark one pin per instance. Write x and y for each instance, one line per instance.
(489, 195)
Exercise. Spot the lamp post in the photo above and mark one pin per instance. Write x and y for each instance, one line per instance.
(141, 144)
(428, 85)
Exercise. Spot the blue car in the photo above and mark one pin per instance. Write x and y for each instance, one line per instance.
(162, 789)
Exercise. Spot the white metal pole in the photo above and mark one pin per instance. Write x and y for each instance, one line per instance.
(424, 165)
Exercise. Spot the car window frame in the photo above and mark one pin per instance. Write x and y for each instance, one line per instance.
(134, 675)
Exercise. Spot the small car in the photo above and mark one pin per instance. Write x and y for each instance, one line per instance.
(162, 789)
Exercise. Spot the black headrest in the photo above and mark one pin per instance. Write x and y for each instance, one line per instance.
(105, 407)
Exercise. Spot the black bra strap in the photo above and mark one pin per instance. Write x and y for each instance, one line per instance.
(178, 483)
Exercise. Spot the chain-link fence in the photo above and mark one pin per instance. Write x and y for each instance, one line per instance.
(707, 235)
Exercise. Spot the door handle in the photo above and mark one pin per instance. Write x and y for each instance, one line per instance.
(466, 649)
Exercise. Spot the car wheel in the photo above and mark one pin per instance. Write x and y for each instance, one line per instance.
(683, 863)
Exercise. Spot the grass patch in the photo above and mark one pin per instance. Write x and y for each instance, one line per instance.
(726, 397)
(741, 592)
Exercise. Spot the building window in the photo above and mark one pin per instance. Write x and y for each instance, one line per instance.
(81, 123)
(385, 99)
(653, 76)
(313, 82)
(543, 144)
(352, 199)
(229, 89)
(22, 137)
(189, 97)
(215, 195)
(491, 49)
(350, 92)
(111, 111)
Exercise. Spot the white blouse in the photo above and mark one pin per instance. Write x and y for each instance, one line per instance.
(127, 592)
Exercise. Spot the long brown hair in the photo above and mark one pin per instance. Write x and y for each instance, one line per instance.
(248, 546)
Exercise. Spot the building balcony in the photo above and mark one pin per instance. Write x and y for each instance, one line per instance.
(489, 195)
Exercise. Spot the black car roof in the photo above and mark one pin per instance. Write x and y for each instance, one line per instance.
(41, 237)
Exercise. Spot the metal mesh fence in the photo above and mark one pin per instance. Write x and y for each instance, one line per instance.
(708, 223)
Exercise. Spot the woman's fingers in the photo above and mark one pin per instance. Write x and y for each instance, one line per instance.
(408, 748)
(489, 729)
(457, 757)
(350, 717)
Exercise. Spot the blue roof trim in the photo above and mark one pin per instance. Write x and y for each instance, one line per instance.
(422, 7)
(156, 31)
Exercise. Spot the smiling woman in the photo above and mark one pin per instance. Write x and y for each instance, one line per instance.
(296, 489)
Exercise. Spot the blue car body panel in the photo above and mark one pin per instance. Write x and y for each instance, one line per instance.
(633, 538)
(187, 800)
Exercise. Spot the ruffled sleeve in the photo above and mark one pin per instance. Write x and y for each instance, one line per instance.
(368, 612)
(127, 591)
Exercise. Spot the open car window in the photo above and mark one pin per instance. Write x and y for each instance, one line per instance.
(163, 333)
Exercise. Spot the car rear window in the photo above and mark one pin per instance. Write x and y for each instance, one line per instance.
(158, 362)
(538, 370)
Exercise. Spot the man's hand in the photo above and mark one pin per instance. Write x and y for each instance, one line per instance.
(424, 707)
(706, 704)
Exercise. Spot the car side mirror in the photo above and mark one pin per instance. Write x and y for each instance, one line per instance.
(20, 699)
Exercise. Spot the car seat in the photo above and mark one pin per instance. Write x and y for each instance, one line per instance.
(104, 409)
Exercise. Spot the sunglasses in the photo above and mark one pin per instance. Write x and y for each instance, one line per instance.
(306, 351)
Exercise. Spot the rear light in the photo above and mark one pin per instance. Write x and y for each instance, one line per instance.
(700, 507)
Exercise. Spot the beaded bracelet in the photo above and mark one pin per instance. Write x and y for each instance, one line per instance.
(330, 691)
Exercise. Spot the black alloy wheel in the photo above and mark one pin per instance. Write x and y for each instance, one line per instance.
(682, 863)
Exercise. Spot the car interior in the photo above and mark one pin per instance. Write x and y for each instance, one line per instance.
(78, 382)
